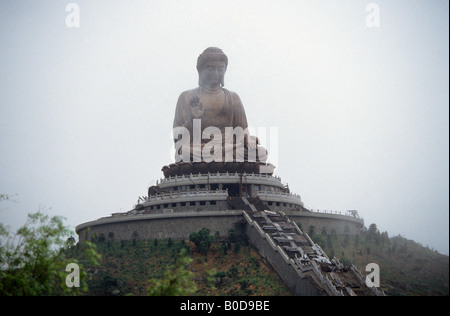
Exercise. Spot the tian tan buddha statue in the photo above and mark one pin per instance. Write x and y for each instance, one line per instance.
(210, 125)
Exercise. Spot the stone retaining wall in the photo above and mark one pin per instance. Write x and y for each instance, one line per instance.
(178, 225)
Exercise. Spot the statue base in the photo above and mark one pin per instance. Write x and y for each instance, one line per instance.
(185, 168)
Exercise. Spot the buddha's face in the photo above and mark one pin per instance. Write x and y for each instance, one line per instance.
(212, 73)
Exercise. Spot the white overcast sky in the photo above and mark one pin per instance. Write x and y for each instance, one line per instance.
(362, 113)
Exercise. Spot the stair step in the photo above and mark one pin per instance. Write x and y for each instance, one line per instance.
(281, 230)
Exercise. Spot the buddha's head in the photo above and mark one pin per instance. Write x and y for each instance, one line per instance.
(211, 66)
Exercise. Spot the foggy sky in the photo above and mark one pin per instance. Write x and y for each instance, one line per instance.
(361, 112)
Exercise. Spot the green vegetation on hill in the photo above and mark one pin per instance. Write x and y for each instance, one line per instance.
(37, 258)
(227, 267)
(406, 267)
(34, 260)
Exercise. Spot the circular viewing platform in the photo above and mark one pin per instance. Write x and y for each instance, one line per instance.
(215, 191)
(214, 200)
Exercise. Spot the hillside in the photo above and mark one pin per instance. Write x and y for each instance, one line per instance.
(234, 268)
(406, 267)
(126, 267)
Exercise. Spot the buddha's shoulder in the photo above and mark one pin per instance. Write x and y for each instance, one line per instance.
(234, 96)
(188, 94)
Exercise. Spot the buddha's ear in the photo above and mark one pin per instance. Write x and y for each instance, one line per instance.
(222, 82)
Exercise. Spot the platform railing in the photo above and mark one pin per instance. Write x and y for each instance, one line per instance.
(218, 175)
(273, 195)
(184, 194)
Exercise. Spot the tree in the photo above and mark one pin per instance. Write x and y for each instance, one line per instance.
(346, 229)
(346, 240)
(202, 240)
(110, 238)
(385, 238)
(177, 281)
(329, 242)
(373, 229)
(357, 238)
(134, 235)
(372, 232)
(311, 230)
(33, 261)
(320, 240)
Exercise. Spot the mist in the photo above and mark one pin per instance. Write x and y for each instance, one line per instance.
(359, 98)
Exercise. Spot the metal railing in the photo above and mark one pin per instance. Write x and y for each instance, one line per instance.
(219, 176)
(282, 196)
(352, 213)
(184, 194)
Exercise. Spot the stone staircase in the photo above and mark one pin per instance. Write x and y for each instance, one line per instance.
(301, 263)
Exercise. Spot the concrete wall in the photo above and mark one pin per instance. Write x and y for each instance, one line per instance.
(187, 207)
(178, 225)
(161, 226)
(340, 224)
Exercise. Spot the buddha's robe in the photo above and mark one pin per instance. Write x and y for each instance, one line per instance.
(212, 133)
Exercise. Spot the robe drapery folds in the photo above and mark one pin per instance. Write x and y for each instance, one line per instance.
(203, 135)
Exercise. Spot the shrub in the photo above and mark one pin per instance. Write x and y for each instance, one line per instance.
(202, 240)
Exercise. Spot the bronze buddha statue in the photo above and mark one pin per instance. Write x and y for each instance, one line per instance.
(213, 118)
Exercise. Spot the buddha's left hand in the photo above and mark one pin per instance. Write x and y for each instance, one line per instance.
(253, 142)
